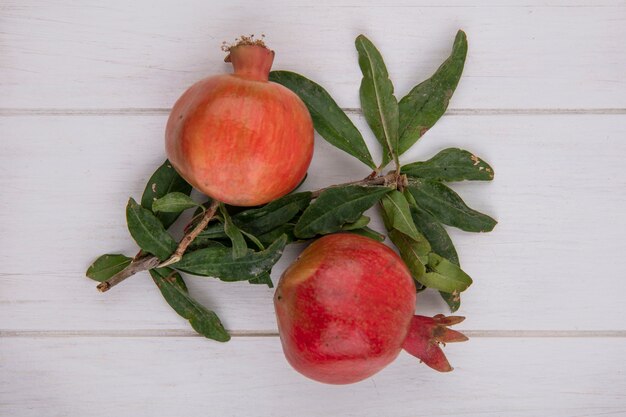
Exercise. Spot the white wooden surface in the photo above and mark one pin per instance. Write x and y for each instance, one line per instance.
(84, 92)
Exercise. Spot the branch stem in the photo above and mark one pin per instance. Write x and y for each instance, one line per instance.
(148, 262)
(145, 263)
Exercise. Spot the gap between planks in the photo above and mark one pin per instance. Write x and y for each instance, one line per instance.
(269, 333)
(157, 111)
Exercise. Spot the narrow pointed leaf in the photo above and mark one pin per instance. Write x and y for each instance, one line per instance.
(253, 239)
(428, 101)
(148, 231)
(435, 233)
(106, 266)
(271, 236)
(216, 261)
(165, 180)
(398, 214)
(263, 278)
(440, 243)
(336, 206)
(445, 276)
(368, 232)
(234, 234)
(173, 203)
(452, 164)
(329, 120)
(263, 219)
(447, 207)
(175, 292)
(361, 222)
(413, 253)
(380, 106)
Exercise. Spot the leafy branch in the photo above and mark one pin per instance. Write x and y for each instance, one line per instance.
(235, 244)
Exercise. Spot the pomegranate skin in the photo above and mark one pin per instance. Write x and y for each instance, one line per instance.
(240, 138)
(344, 308)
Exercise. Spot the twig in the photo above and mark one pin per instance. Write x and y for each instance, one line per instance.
(391, 178)
(189, 237)
(141, 264)
(149, 262)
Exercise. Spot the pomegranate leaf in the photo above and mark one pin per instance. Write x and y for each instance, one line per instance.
(452, 164)
(175, 292)
(368, 232)
(441, 244)
(335, 207)
(264, 219)
(165, 180)
(397, 215)
(148, 231)
(271, 236)
(380, 106)
(428, 101)
(413, 253)
(448, 207)
(361, 222)
(106, 266)
(217, 261)
(173, 203)
(253, 239)
(329, 120)
(264, 278)
(445, 276)
(234, 234)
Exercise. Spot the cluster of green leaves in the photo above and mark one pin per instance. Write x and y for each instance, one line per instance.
(413, 214)
(244, 245)
(227, 256)
(237, 245)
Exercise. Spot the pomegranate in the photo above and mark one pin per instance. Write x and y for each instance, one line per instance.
(345, 310)
(240, 138)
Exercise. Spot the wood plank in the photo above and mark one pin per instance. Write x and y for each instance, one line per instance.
(155, 376)
(554, 262)
(142, 54)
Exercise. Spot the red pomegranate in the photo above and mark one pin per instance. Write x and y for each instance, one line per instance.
(345, 310)
(240, 138)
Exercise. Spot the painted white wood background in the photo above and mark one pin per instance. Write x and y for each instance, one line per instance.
(85, 88)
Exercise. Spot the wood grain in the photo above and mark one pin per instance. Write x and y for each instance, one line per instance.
(144, 54)
(155, 376)
(552, 261)
(85, 89)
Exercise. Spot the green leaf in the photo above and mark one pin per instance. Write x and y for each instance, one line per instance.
(173, 203)
(263, 278)
(414, 254)
(336, 206)
(329, 120)
(428, 101)
(380, 106)
(106, 266)
(361, 222)
(435, 233)
(175, 292)
(271, 236)
(261, 220)
(253, 239)
(440, 243)
(368, 232)
(165, 180)
(397, 214)
(148, 231)
(452, 164)
(217, 261)
(234, 234)
(447, 207)
(445, 276)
